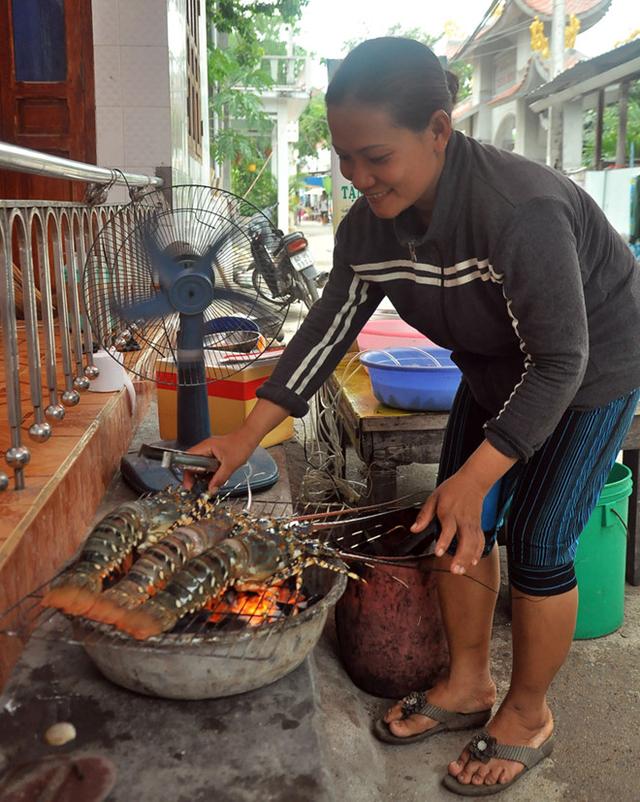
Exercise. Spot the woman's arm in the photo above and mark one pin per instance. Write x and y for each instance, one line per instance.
(324, 337)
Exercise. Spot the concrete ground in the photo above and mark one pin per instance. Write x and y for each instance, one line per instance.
(596, 703)
(320, 240)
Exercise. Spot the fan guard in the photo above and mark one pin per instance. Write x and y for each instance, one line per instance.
(164, 294)
(183, 222)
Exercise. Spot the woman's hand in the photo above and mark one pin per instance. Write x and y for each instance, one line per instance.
(231, 451)
(457, 503)
(234, 449)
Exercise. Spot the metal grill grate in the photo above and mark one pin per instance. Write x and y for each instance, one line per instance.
(231, 638)
(369, 537)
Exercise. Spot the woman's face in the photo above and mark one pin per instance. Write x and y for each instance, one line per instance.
(393, 167)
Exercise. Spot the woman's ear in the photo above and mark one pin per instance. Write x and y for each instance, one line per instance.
(440, 125)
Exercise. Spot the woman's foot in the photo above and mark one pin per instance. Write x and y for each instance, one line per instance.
(508, 726)
(459, 699)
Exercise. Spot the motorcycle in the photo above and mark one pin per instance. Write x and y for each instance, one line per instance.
(287, 270)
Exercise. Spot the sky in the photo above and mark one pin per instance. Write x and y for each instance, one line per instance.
(327, 24)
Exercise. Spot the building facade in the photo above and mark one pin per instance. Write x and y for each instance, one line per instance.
(118, 83)
(506, 68)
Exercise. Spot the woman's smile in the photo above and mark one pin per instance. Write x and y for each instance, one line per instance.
(376, 197)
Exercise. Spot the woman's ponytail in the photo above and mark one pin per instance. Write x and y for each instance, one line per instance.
(453, 84)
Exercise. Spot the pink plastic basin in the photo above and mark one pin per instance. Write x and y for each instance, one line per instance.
(391, 333)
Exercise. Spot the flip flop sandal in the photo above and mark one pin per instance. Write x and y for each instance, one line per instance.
(483, 747)
(73, 777)
(448, 720)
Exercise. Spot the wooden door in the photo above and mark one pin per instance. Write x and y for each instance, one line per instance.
(47, 94)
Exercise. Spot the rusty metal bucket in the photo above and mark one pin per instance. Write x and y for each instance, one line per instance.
(389, 627)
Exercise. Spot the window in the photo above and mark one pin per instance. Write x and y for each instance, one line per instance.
(194, 115)
(39, 40)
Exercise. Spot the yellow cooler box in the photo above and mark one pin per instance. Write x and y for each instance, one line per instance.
(231, 397)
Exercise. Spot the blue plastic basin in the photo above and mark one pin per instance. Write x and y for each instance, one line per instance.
(417, 379)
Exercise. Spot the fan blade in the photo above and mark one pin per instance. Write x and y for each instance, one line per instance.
(162, 264)
(158, 306)
(205, 262)
(226, 294)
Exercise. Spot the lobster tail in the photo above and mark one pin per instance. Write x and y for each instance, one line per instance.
(158, 564)
(114, 538)
(153, 618)
(202, 577)
(75, 592)
(114, 603)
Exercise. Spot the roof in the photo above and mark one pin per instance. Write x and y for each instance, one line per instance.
(619, 57)
(464, 110)
(531, 76)
(508, 93)
(544, 8)
(508, 16)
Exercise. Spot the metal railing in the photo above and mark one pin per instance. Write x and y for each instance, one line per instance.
(25, 160)
(43, 249)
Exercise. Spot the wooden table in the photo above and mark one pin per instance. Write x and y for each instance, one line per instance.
(385, 438)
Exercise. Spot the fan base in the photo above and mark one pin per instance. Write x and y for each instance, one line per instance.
(146, 475)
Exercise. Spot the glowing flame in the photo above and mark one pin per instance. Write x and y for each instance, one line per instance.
(255, 605)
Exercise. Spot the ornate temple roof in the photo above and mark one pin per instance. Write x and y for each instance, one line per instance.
(507, 17)
(544, 8)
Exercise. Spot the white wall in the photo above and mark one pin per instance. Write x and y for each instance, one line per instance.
(503, 122)
(140, 85)
(572, 127)
(186, 168)
(611, 190)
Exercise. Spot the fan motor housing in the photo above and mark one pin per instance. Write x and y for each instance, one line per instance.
(191, 293)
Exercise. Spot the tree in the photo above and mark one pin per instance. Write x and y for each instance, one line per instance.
(246, 31)
(313, 128)
(610, 129)
(464, 71)
(256, 179)
(236, 98)
(239, 16)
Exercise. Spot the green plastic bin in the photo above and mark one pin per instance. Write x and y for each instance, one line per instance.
(601, 559)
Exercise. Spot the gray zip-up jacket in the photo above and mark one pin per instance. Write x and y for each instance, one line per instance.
(519, 274)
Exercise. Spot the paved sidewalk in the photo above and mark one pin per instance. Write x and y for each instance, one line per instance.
(320, 243)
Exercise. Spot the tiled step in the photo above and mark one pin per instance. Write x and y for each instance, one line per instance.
(43, 525)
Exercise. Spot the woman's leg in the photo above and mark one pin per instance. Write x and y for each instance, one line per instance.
(555, 494)
(467, 606)
(542, 631)
(467, 612)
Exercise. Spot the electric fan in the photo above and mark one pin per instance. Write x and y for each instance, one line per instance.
(162, 296)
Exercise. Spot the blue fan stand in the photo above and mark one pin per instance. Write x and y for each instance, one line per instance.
(146, 475)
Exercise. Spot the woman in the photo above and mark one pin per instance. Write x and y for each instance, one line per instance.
(515, 269)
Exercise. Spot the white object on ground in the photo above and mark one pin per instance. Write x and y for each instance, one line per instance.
(60, 733)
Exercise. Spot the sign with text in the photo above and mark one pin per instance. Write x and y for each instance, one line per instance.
(344, 194)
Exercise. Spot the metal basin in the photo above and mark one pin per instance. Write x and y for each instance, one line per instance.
(191, 667)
